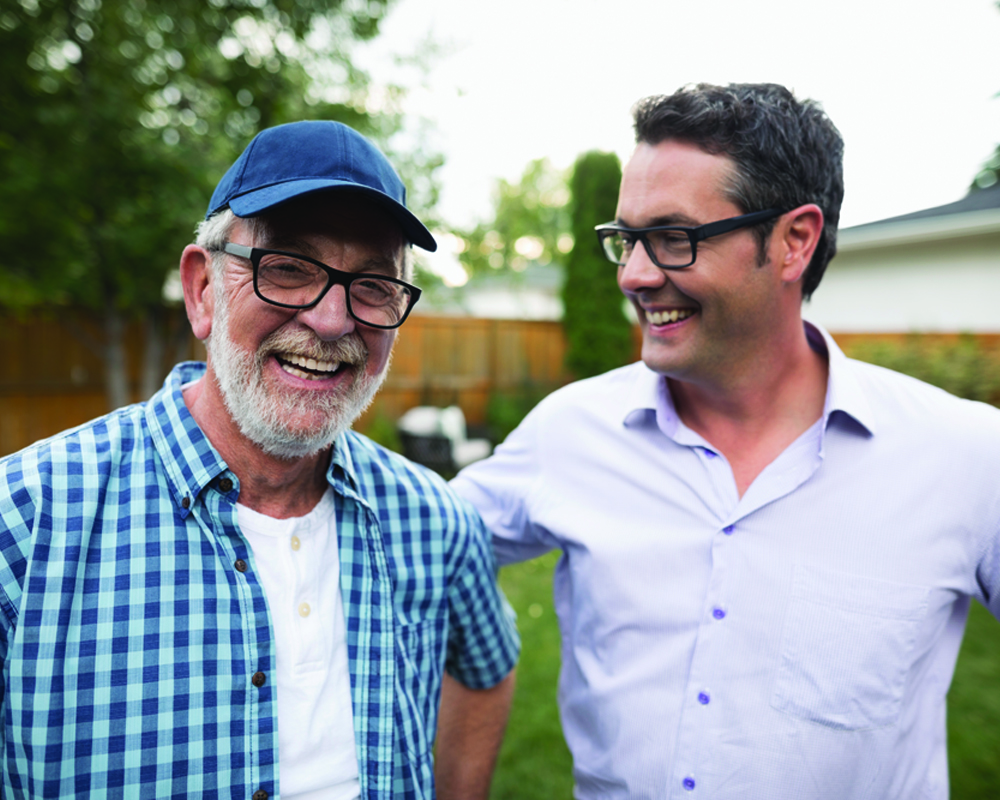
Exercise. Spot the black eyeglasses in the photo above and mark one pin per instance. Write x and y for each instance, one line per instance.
(670, 246)
(291, 280)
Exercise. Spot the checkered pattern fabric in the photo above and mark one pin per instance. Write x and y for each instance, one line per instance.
(132, 623)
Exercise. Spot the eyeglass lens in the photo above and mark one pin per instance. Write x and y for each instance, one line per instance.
(292, 282)
(669, 248)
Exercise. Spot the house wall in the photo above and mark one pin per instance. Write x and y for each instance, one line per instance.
(935, 286)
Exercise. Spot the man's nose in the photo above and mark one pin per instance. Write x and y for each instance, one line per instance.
(639, 273)
(329, 318)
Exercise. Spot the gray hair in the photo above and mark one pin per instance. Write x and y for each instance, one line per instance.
(787, 152)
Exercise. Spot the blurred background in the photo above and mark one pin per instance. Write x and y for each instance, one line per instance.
(509, 123)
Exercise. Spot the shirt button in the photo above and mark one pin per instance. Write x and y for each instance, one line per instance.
(241, 565)
(225, 486)
(304, 609)
(258, 679)
(296, 543)
(709, 453)
(186, 502)
(728, 530)
(703, 698)
(687, 783)
(260, 794)
(718, 613)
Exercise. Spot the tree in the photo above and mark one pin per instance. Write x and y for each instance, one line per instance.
(599, 337)
(117, 118)
(989, 175)
(530, 223)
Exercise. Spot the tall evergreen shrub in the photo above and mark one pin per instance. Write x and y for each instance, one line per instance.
(599, 337)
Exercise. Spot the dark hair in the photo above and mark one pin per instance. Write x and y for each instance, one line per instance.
(787, 153)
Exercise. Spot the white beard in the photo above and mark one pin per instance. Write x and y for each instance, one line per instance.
(262, 413)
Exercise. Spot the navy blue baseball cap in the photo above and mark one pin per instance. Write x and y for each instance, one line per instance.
(301, 158)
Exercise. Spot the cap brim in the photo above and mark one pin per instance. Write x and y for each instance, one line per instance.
(260, 200)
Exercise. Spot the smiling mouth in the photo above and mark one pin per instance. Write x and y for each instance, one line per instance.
(666, 317)
(307, 368)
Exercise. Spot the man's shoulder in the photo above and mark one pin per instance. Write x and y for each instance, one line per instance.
(904, 402)
(87, 446)
(384, 475)
(607, 393)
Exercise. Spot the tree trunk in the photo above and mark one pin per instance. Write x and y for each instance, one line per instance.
(115, 372)
(156, 346)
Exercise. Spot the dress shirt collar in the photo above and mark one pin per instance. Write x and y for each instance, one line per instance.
(650, 396)
(189, 459)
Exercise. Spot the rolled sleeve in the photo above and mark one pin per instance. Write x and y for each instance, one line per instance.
(483, 643)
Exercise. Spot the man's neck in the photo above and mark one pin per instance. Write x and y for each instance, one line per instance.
(277, 487)
(754, 415)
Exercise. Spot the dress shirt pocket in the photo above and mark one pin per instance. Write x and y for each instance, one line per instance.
(846, 649)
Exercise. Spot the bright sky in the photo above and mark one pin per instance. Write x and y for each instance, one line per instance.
(911, 85)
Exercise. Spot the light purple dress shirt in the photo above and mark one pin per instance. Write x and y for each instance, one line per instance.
(795, 643)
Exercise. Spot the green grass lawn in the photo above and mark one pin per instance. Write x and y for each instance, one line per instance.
(534, 763)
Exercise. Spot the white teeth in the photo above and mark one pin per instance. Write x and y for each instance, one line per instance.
(287, 360)
(664, 317)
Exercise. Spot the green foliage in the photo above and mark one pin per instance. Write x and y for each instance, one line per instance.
(963, 367)
(599, 337)
(989, 175)
(118, 118)
(530, 223)
(506, 409)
(382, 430)
(534, 762)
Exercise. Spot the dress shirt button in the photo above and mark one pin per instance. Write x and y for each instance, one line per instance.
(304, 609)
(709, 453)
(718, 613)
(260, 794)
(296, 543)
(688, 783)
(703, 698)
(728, 530)
(225, 486)
(186, 502)
(258, 679)
(241, 565)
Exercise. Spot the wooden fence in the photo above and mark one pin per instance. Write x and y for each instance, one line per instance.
(50, 381)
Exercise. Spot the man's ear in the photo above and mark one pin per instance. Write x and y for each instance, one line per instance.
(199, 294)
(798, 234)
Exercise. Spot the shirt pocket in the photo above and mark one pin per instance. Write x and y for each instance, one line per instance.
(846, 648)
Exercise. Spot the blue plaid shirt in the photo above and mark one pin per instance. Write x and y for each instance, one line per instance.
(136, 645)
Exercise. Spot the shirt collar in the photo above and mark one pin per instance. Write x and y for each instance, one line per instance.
(190, 461)
(650, 396)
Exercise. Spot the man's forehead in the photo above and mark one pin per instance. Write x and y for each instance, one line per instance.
(333, 217)
(673, 176)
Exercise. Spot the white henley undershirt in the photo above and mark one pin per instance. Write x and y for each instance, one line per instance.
(299, 568)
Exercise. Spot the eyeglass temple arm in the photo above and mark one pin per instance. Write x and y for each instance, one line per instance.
(241, 250)
(727, 225)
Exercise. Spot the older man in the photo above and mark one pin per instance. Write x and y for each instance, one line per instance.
(769, 549)
(225, 591)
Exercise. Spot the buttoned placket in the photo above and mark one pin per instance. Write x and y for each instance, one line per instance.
(215, 513)
(705, 702)
(366, 591)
